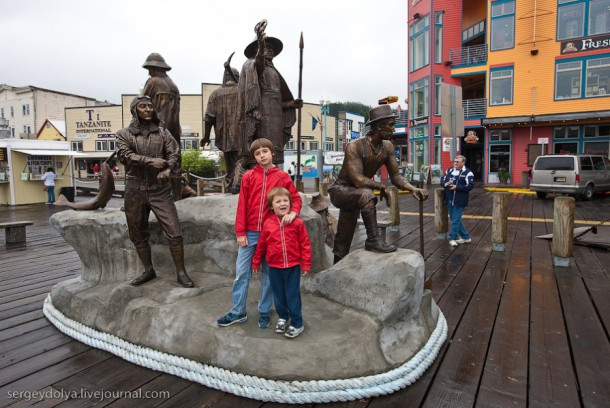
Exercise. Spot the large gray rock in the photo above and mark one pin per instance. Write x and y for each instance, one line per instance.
(363, 316)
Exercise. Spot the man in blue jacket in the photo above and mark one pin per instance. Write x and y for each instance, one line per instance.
(458, 181)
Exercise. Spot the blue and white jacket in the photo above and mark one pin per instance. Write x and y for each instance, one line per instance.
(464, 181)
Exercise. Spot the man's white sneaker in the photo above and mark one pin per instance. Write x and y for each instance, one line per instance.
(453, 243)
(463, 240)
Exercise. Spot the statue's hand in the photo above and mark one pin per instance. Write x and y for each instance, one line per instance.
(157, 163)
(421, 194)
(163, 176)
(260, 28)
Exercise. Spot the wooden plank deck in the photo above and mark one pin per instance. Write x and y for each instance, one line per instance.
(522, 332)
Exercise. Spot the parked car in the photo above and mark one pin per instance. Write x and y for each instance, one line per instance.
(575, 174)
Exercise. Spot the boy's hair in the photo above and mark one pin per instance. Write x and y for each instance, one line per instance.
(277, 191)
(261, 142)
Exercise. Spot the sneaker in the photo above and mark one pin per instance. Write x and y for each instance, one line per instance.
(231, 318)
(280, 327)
(292, 332)
(453, 243)
(264, 321)
(463, 240)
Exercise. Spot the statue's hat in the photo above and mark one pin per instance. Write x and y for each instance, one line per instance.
(156, 60)
(380, 112)
(276, 44)
(319, 202)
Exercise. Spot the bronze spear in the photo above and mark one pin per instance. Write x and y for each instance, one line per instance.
(301, 46)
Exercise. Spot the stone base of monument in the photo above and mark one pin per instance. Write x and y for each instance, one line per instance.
(370, 328)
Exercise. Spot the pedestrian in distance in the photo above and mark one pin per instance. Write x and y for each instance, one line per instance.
(252, 211)
(287, 250)
(49, 184)
(458, 181)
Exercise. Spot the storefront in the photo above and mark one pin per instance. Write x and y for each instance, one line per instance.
(23, 162)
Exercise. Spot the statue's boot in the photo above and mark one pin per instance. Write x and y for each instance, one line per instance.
(374, 242)
(149, 273)
(177, 250)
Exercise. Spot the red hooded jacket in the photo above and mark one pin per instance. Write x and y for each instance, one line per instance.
(252, 207)
(285, 246)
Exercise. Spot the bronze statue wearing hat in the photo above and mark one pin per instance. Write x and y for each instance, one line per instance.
(223, 113)
(150, 155)
(269, 106)
(353, 191)
(165, 97)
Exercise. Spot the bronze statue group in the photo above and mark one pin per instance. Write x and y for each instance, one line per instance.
(252, 115)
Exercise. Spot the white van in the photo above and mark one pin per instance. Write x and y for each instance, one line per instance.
(575, 174)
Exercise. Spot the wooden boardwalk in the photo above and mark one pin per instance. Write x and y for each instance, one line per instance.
(522, 333)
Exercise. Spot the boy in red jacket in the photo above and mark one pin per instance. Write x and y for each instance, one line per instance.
(287, 250)
(252, 210)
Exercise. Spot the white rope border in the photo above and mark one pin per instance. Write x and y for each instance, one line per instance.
(292, 392)
(206, 179)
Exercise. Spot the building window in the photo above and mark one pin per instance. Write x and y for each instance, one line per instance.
(104, 145)
(502, 25)
(330, 147)
(501, 87)
(597, 131)
(566, 132)
(12, 112)
(26, 129)
(571, 18)
(2, 113)
(419, 98)
(38, 165)
(189, 144)
(438, 37)
(567, 80)
(419, 48)
(419, 141)
(313, 145)
(303, 146)
(76, 146)
(500, 135)
(438, 80)
(290, 145)
(600, 148)
(499, 157)
(598, 77)
(25, 108)
(565, 148)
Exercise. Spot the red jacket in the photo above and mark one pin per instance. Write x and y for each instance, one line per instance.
(285, 246)
(252, 207)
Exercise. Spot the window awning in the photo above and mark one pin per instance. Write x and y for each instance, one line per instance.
(94, 155)
(33, 152)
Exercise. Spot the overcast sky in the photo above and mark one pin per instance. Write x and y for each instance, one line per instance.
(354, 50)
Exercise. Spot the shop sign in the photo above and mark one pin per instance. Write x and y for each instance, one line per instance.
(471, 137)
(585, 44)
(417, 122)
(3, 153)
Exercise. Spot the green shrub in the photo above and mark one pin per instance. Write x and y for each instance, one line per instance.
(193, 162)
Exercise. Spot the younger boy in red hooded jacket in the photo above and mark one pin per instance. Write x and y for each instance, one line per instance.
(288, 250)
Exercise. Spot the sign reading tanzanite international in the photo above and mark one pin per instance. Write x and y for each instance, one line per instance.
(585, 44)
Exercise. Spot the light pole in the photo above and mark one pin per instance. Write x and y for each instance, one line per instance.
(325, 109)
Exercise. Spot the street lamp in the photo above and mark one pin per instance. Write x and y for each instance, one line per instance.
(325, 109)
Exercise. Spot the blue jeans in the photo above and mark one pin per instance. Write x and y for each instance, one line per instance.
(243, 273)
(286, 286)
(51, 194)
(457, 227)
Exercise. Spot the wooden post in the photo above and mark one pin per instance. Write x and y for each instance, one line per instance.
(394, 208)
(563, 230)
(324, 188)
(441, 215)
(200, 186)
(300, 186)
(499, 221)
(316, 184)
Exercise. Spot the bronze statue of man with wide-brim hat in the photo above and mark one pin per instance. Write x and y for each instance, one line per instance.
(353, 191)
(269, 107)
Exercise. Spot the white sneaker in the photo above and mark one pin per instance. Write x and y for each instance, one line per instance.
(463, 240)
(453, 243)
(292, 332)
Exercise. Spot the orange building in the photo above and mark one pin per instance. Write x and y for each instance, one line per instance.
(534, 77)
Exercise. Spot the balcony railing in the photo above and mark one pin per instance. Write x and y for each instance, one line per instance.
(475, 54)
(474, 107)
